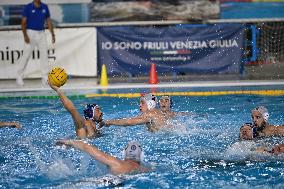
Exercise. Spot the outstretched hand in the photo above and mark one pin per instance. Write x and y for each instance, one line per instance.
(68, 143)
(278, 149)
(16, 125)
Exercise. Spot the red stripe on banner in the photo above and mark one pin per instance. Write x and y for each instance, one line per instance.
(184, 51)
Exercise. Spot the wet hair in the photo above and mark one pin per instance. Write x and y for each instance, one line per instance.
(89, 111)
(263, 111)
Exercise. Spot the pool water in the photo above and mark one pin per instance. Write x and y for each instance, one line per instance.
(201, 152)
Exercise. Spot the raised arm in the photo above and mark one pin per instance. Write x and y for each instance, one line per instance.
(93, 151)
(69, 106)
(10, 124)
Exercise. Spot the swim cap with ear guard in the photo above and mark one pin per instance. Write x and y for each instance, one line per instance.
(166, 97)
(89, 111)
(133, 151)
(263, 111)
(150, 100)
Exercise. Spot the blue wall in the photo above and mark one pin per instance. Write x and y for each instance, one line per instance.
(252, 10)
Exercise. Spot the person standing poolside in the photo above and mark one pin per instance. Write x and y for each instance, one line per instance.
(150, 115)
(260, 117)
(85, 128)
(34, 16)
(10, 124)
(132, 158)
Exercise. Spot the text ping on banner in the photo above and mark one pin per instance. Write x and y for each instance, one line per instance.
(75, 51)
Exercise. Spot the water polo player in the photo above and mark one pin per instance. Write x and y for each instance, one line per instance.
(247, 132)
(84, 127)
(260, 118)
(166, 105)
(150, 115)
(130, 164)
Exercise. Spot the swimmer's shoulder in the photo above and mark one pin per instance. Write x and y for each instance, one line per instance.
(271, 130)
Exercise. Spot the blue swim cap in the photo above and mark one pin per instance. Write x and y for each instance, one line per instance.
(249, 124)
(89, 111)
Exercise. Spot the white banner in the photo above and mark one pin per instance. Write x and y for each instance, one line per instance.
(75, 51)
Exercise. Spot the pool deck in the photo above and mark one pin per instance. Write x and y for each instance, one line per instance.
(254, 75)
(33, 85)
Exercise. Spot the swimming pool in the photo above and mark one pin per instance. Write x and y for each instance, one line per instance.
(197, 154)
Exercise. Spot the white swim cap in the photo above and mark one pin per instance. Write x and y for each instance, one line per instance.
(166, 97)
(263, 111)
(133, 151)
(150, 99)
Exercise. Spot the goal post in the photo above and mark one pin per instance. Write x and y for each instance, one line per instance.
(270, 41)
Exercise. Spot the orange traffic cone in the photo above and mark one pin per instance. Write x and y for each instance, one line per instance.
(153, 79)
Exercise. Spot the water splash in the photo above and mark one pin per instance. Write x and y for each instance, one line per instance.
(60, 168)
(94, 182)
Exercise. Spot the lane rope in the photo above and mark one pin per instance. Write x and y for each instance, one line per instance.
(136, 95)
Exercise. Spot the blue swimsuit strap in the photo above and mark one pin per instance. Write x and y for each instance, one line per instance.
(254, 132)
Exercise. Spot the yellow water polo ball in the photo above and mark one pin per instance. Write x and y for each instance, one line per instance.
(57, 76)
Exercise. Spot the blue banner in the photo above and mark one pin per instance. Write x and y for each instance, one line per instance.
(216, 48)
